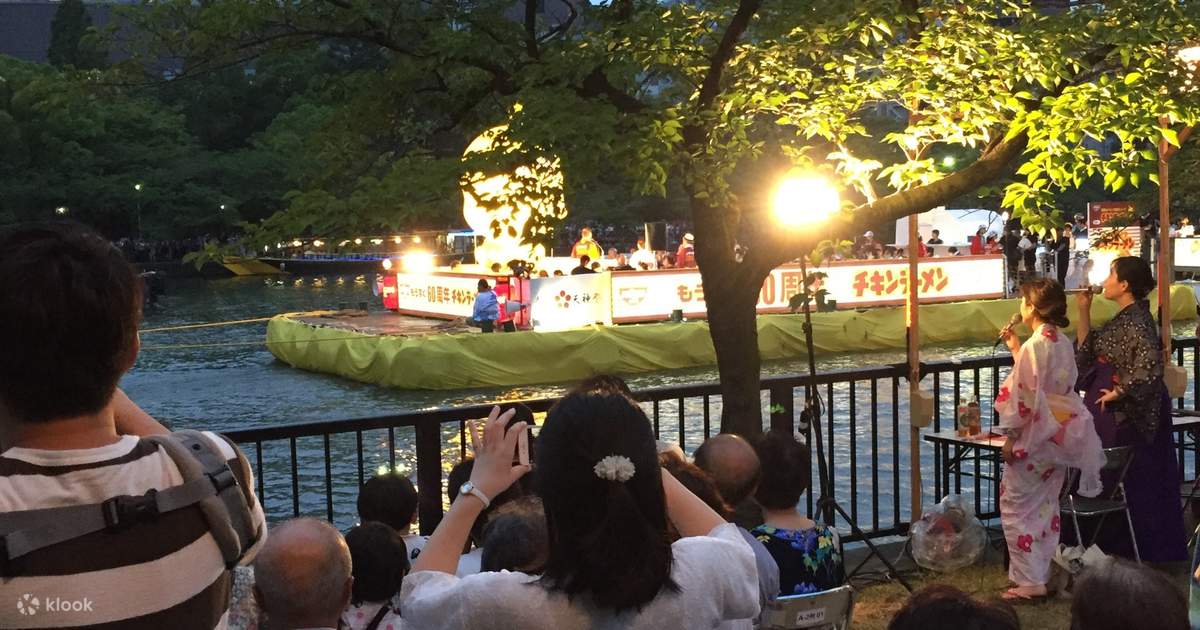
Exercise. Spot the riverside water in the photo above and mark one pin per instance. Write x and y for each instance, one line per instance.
(224, 378)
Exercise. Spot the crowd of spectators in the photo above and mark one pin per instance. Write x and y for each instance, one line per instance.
(593, 525)
(142, 251)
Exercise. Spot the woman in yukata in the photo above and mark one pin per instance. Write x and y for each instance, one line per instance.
(1121, 369)
(1049, 429)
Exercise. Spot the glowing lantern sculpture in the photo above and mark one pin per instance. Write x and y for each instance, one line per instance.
(500, 206)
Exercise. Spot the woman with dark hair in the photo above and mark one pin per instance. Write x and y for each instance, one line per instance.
(379, 561)
(610, 562)
(1049, 429)
(809, 554)
(1121, 368)
(1118, 595)
(943, 607)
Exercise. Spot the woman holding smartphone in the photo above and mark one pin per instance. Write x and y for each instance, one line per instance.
(1121, 368)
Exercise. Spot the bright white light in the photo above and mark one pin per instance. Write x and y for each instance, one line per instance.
(137, 187)
(266, 248)
(318, 243)
(416, 239)
(805, 201)
(358, 241)
(949, 161)
(397, 240)
(417, 262)
(222, 207)
(343, 243)
(377, 241)
(60, 210)
(387, 264)
(1189, 55)
(1100, 265)
(297, 243)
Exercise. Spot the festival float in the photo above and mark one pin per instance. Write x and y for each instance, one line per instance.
(568, 327)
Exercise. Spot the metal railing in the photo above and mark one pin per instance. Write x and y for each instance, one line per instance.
(317, 467)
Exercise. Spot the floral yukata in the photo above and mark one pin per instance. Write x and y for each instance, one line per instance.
(810, 560)
(1050, 430)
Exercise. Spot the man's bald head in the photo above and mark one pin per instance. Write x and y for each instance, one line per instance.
(733, 465)
(302, 575)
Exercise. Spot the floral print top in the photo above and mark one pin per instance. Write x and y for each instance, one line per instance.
(1130, 343)
(809, 560)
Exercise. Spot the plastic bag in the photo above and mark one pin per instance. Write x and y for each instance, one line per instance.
(948, 536)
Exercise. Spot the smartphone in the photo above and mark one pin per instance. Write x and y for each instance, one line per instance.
(523, 448)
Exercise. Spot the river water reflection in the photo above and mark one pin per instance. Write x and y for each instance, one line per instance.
(224, 378)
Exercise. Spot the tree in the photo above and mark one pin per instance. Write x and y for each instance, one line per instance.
(724, 97)
(72, 44)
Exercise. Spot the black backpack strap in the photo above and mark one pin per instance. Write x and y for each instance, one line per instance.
(378, 618)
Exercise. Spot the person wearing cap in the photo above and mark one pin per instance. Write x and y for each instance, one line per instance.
(869, 247)
(685, 256)
(977, 241)
(586, 246)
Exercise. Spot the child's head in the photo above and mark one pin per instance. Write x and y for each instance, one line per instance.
(379, 562)
(389, 498)
(514, 538)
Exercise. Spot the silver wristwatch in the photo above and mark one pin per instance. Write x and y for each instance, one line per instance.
(469, 488)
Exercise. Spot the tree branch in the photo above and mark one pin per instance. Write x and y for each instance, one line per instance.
(596, 84)
(737, 26)
(531, 43)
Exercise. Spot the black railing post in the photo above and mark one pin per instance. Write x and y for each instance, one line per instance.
(783, 409)
(429, 474)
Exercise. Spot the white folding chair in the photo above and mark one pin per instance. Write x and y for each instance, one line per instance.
(824, 610)
(1118, 459)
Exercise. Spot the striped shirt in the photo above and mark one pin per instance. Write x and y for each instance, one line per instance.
(165, 573)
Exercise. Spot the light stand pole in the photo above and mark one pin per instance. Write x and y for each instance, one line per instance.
(826, 504)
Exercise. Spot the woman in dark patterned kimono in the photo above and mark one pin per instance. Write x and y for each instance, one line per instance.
(1121, 368)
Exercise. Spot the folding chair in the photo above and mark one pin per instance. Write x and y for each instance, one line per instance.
(824, 610)
(1117, 459)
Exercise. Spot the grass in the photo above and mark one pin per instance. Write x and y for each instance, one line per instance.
(875, 605)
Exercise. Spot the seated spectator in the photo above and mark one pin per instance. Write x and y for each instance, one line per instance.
(71, 304)
(379, 562)
(696, 481)
(809, 554)
(302, 576)
(585, 266)
(622, 264)
(514, 538)
(607, 506)
(942, 607)
(472, 551)
(1120, 594)
(487, 308)
(733, 466)
(391, 499)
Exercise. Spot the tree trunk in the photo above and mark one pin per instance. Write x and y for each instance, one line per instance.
(732, 324)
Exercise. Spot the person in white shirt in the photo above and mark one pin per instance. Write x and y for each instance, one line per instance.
(302, 576)
(643, 256)
(607, 505)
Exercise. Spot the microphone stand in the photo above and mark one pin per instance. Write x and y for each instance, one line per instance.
(826, 505)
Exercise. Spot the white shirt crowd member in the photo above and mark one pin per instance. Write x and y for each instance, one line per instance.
(716, 575)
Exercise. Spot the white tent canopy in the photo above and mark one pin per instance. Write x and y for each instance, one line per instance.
(956, 226)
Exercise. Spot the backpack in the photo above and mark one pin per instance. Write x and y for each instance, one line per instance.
(208, 483)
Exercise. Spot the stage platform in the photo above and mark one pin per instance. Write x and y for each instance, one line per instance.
(415, 353)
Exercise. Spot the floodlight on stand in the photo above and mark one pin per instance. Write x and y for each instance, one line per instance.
(805, 201)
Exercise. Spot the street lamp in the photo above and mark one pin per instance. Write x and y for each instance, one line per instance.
(805, 201)
(61, 210)
(138, 189)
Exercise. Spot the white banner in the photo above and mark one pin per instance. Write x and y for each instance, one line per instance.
(642, 296)
(565, 302)
(1185, 253)
(437, 294)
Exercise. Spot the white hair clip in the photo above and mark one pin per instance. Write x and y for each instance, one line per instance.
(614, 468)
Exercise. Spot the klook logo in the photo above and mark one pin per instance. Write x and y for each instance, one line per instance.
(29, 605)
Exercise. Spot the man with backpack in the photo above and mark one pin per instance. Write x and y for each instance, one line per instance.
(98, 526)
